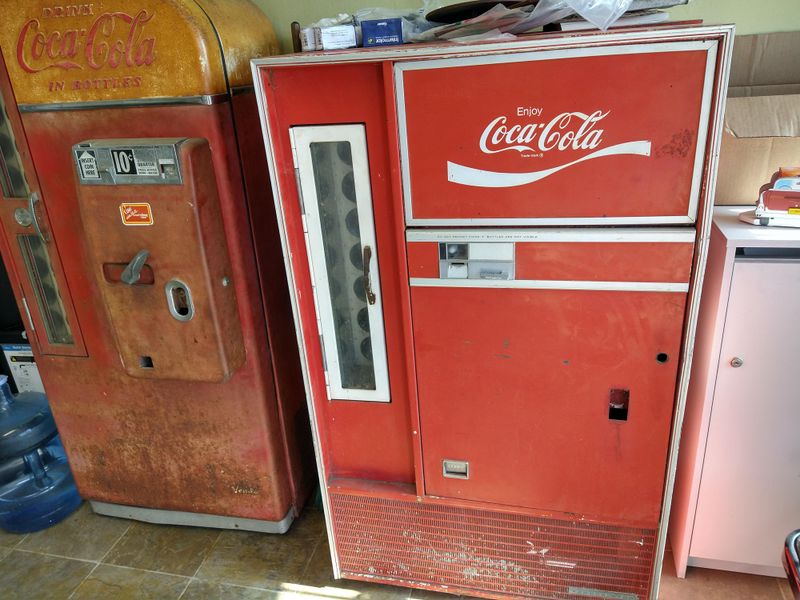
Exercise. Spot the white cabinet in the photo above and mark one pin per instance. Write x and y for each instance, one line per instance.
(737, 492)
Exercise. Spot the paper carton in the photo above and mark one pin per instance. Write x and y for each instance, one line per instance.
(762, 118)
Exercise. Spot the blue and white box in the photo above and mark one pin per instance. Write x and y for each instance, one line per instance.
(383, 32)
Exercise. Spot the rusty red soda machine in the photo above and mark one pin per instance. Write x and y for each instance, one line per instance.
(494, 252)
(132, 169)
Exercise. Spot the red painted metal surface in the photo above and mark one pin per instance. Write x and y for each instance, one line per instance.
(517, 383)
(572, 114)
(382, 450)
(486, 552)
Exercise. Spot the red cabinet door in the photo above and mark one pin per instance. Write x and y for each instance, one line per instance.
(589, 136)
(548, 386)
(29, 250)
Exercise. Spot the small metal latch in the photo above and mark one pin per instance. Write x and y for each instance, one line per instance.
(455, 469)
(736, 362)
(133, 271)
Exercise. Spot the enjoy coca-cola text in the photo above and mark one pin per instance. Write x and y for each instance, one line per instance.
(568, 130)
(114, 39)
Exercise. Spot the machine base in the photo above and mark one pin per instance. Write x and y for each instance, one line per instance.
(450, 546)
(177, 517)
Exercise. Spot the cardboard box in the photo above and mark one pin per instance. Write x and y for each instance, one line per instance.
(762, 118)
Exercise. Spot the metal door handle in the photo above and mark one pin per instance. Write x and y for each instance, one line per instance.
(367, 279)
(133, 271)
(32, 200)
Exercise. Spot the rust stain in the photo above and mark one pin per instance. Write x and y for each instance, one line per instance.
(678, 147)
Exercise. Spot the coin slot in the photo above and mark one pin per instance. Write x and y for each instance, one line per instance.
(179, 300)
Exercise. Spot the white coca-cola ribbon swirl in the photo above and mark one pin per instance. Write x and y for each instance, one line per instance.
(496, 179)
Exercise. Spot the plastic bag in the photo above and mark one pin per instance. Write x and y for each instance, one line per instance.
(600, 13)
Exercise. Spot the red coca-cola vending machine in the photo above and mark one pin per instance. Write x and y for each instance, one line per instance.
(131, 171)
(495, 253)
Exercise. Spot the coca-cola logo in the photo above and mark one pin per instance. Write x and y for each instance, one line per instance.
(565, 131)
(114, 39)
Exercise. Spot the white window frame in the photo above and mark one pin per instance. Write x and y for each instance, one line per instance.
(302, 137)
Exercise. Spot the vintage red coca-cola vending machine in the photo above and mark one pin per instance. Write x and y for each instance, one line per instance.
(495, 253)
(131, 170)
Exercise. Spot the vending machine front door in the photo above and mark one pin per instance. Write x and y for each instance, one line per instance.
(150, 209)
(546, 365)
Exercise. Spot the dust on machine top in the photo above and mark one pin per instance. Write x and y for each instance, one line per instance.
(111, 50)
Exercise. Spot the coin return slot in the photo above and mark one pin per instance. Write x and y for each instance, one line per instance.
(455, 469)
(618, 404)
(145, 362)
(179, 300)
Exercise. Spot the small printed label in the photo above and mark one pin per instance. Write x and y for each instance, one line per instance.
(124, 163)
(88, 165)
(794, 210)
(136, 213)
(145, 166)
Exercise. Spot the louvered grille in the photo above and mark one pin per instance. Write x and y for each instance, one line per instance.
(489, 552)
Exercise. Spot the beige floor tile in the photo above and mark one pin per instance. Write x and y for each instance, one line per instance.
(263, 560)
(170, 549)
(310, 524)
(256, 559)
(707, 584)
(209, 590)
(29, 576)
(319, 575)
(786, 590)
(10, 540)
(81, 535)
(109, 582)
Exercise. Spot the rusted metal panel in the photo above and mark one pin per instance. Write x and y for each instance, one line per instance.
(122, 50)
(234, 448)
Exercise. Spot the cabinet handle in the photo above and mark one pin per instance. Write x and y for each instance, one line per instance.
(736, 362)
(32, 200)
(367, 278)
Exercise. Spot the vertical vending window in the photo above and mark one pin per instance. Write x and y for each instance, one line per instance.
(517, 232)
(32, 238)
(333, 174)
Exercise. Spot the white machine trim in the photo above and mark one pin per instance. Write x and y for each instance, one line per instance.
(190, 519)
(298, 320)
(724, 51)
(302, 138)
(520, 44)
(674, 235)
(552, 284)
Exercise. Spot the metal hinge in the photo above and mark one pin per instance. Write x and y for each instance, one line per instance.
(324, 358)
(296, 165)
(299, 191)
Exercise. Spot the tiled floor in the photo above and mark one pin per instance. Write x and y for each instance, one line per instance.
(93, 557)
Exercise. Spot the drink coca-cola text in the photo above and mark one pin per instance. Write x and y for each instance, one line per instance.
(568, 130)
(114, 39)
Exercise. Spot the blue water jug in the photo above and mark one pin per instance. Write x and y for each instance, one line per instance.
(36, 486)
